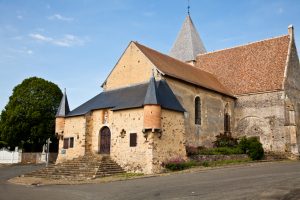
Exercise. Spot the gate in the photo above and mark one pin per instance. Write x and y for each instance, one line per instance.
(7, 156)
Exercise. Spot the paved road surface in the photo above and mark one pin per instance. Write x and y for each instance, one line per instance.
(259, 181)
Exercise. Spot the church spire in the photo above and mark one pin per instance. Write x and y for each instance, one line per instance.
(63, 108)
(188, 43)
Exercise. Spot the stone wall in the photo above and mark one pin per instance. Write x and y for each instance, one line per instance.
(133, 159)
(292, 98)
(36, 158)
(262, 115)
(211, 158)
(171, 144)
(132, 68)
(99, 119)
(212, 112)
(74, 127)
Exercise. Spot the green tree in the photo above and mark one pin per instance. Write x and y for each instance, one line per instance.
(29, 117)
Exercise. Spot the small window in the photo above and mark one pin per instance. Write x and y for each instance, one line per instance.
(133, 139)
(198, 110)
(226, 123)
(68, 143)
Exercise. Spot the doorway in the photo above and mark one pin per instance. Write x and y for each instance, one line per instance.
(105, 140)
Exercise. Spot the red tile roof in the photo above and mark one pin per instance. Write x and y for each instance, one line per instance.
(255, 67)
(180, 70)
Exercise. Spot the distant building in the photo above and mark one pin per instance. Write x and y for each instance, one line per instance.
(153, 105)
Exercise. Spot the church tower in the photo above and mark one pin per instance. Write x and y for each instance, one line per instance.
(188, 43)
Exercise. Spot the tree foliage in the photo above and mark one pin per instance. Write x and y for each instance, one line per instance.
(29, 117)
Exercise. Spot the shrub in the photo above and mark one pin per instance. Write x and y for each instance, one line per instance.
(179, 164)
(252, 147)
(205, 164)
(221, 151)
(225, 140)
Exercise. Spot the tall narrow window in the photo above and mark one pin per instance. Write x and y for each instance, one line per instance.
(226, 123)
(133, 140)
(197, 110)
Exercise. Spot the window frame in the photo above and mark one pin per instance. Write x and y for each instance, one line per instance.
(68, 143)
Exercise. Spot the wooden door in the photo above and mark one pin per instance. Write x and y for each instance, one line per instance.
(105, 140)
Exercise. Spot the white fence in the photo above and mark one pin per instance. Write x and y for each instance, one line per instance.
(7, 156)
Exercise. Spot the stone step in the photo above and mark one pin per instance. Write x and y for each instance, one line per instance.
(85, 167)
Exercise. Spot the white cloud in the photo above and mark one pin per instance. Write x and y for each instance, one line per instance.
(60, 17)
(67, 40)
(41, 37)
(20, 17)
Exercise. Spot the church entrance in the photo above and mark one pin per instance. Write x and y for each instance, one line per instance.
(105, 140)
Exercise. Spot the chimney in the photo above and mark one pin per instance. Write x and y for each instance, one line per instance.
(291, 30)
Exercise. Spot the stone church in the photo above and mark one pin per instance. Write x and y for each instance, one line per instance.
(153, 104)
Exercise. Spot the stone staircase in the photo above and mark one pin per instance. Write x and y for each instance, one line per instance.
(85, 167)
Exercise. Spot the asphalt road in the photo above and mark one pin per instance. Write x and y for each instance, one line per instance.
(279, 180)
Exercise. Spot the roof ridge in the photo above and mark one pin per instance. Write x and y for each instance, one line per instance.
(197, 68)
(238, 46)
(144, 50)
(190, 31)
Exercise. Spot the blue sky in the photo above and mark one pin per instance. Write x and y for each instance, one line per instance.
(75, 44)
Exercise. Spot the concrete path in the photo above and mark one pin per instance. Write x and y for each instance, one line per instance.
(279, 180)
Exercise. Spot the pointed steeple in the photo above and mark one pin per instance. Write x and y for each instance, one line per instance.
(188, 43)
(63, 108)
(151, 94)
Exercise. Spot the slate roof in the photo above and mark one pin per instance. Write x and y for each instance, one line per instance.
(130, 97)
(251, 68)
(63, 108)
(180, 70)
(188, 43)
(151, 97)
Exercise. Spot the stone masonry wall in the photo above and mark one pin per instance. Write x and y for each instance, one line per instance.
(132, 68)
(262, 115)
(212, 112)
(74, 127)
(171, 144)
(292, 98)
(133, 159)
(100, 118)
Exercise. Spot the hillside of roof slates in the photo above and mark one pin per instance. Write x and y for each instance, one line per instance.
(252, 68)
(180, 70)
(130, 97)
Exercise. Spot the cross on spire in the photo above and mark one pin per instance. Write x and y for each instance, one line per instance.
(188, 8)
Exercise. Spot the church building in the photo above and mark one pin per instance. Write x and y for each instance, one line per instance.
(154, 105)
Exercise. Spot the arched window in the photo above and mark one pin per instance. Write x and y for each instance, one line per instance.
(197, 110)
(227, 123)
(226, 119)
